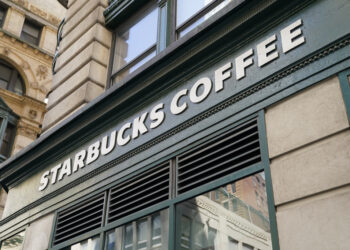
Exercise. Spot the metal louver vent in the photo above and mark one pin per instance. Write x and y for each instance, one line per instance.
(140, 192)
(79, 219)
(235, 149)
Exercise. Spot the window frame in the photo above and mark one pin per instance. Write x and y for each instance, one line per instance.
(170, 204)
(8, 117)
(14, 76)
(33, 24)
(129, 23)
(4, 8)
(166, 30)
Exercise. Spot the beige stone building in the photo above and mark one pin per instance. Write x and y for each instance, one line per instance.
(27, 47)
(175, 125)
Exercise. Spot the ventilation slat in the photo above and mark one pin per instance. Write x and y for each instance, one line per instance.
(217, 166)
(226, 153)
(82, 207)
(145, 190)
(237, 166)
(128, 184)
(117, 193)
(227, 136)
(84, 218)
(140, 192)
(79, 219)
(78, 214)
(220, 156)
(120, 207)
(141, 206)
(76, 233)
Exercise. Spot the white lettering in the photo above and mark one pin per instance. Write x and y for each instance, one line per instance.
(157, 115)
(291, 36)
(139, 126)
(44, 181)
(221, 74)
(267, 51)
(66, 169)
(107, 149)
(93, 152)
(54, 171)
(79, 160)
(174, 108)
(242, 62)
(206, 83)
(121, 141)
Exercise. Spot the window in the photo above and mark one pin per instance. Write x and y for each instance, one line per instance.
(150, 211)
(31, 32)
(204, 221)
(147, 32)
(10, 79)
(190, 14)
(146, 233)
(135, 41)
(8, 122)
(89, 244)
(13, 243)
(2, 15)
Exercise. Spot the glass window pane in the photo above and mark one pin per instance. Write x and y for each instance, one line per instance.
(186, 9)
(13, 243)
(18, 88)
(128, 237)
(89, 244)
(6, 146)
(145, 233)
(134, 40)
(226, 219)
(30, 32)
(111, 238)
(2, 15)
(202, 18)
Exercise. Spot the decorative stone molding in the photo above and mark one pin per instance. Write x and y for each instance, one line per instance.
(27, 130)
(38, 11)
(41, 72)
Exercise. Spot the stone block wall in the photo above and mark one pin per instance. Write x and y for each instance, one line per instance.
(81, 68)
(308, 138)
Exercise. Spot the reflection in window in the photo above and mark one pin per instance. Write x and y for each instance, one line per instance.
(90, 244)
(144, 234)
(6, 144)
(13, 243)
(135, 42)
(190, 14)
(225, 223)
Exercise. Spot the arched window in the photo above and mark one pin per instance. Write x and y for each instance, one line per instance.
(10, 79)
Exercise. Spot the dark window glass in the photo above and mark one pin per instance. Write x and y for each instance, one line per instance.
(13, 243)
(31, 32)
(6, 144)
(150, 232)
(10, 79)
(224, 223)
(190, 14)
(2, 15)
(135, 42)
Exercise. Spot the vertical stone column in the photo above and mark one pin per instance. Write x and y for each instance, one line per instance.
(81, 68)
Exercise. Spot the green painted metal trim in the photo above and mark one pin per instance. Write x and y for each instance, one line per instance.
(345, 88)
(172, 227)
(268, 180)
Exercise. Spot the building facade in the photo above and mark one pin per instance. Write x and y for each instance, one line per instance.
(27, 45)
(181, 125)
